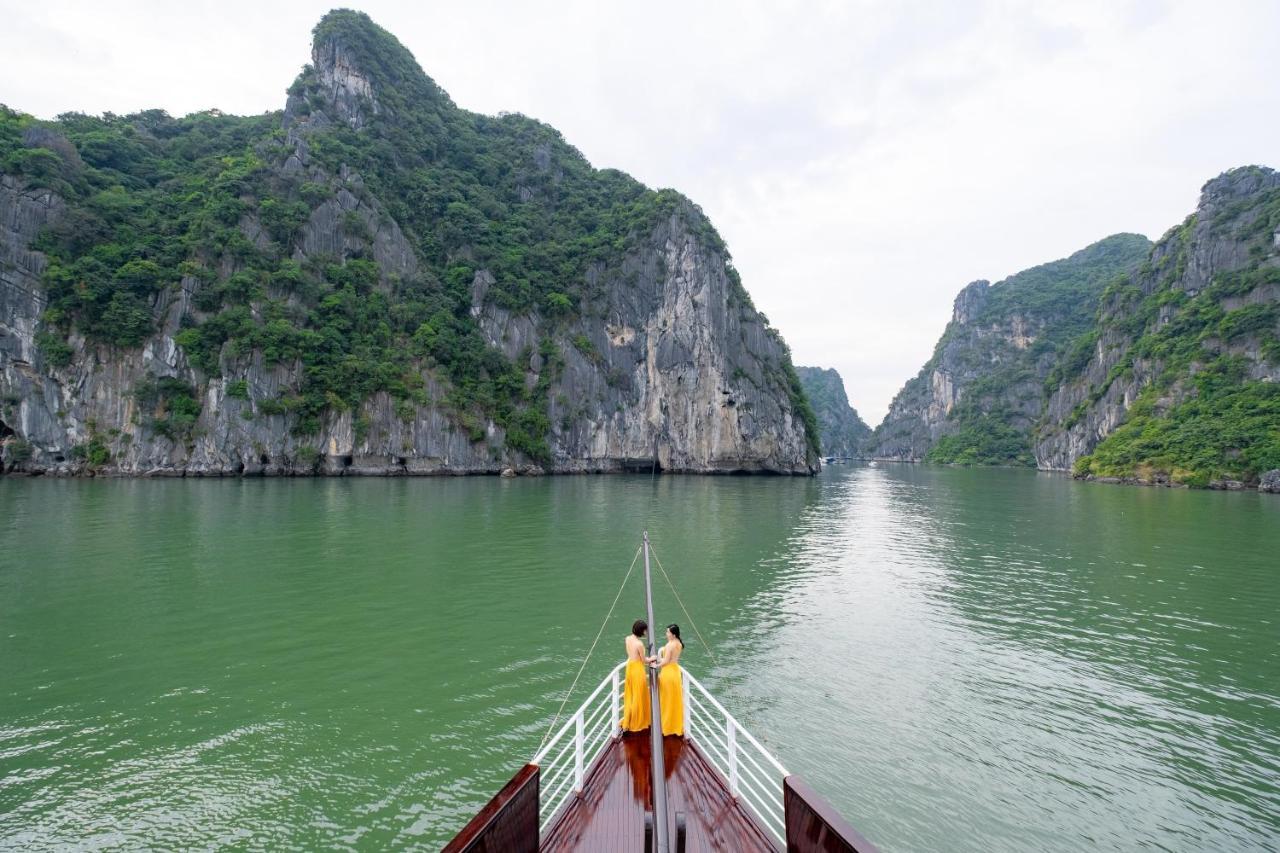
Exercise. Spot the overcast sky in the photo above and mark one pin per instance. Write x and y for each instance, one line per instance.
(864, 160)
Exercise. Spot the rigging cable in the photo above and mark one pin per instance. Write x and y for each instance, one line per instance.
(693, 624)
(599, 633)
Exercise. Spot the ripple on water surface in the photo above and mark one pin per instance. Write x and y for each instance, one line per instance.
(959, 660)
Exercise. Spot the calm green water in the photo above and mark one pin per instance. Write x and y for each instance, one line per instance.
(960, 660)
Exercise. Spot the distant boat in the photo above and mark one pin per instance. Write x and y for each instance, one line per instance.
(716, 788)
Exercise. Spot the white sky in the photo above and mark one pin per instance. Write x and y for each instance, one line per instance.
(864, 160)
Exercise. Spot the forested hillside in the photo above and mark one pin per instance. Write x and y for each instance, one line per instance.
(371, 280)
(841, 429)
(1177, 382)
(1125, 362)
(979, 398)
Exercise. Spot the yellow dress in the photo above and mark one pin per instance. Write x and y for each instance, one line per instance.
(671, 699)
(636, 713)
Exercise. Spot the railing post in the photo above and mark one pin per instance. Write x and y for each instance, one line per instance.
(617, 701)
(732, 731)
(577, 751)
(684, 678)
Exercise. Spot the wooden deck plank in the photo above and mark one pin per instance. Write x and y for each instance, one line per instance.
(609, 815)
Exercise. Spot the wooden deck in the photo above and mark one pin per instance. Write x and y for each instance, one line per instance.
(609, 815)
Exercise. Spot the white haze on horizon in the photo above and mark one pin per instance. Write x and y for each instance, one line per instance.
(863, 160)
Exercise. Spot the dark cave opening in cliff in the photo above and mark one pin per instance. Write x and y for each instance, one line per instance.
(5, 432)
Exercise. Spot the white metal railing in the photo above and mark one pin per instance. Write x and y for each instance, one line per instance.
(754, 776)
(593, 726)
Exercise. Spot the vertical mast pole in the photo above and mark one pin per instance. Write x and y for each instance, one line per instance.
(655, 725)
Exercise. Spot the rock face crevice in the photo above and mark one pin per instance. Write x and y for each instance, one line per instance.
(662, 362)
(346, 88)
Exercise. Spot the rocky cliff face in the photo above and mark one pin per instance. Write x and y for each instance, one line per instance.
(1119, 364)
(333, 324)
(979, 397)
(839, 425)
(1178, 382)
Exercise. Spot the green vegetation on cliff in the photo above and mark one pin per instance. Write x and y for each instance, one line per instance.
(999, 355)
(1211, 407)
(200, 221)
(983, 438)
(839, 425)
(1229, 429)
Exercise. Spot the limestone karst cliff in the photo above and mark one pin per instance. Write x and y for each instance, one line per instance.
(370, 281)
(1178, 381)
(1125, 362)
(841, 429)
(980, 396)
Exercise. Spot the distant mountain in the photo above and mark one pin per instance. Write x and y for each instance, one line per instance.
(841, 429)
(979, 398)
(371, 281)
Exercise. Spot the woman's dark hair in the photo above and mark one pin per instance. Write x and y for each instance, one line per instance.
(675, 632)
(638, 627)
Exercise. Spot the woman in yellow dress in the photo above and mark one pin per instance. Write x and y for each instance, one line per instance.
(671, 683)
(636, 713)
